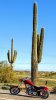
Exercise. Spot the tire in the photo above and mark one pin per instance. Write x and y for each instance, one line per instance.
(14, 90)
(44, 94)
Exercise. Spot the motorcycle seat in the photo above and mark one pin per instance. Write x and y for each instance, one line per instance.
(38, 88)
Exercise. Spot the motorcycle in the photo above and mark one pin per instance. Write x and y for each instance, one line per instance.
(31, 89)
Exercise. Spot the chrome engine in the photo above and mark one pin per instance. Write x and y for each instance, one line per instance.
(30, 90)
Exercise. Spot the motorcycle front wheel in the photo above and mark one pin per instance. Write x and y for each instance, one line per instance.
(14, 90)
(44, 94)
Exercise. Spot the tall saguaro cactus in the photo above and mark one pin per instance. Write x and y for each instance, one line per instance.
(37, 46)
(13, 55)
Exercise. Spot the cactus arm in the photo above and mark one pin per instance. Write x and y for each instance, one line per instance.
(12, 50)
(38, 43)
(15, 55)
(42, 35)
(8, 55)
(41, 44)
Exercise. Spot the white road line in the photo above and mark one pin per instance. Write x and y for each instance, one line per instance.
(6, 99)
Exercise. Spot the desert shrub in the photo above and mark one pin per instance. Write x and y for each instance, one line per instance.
(7, 75)
(54, 90)
(5, 87)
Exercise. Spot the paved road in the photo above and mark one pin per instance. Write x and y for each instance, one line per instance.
(5, 95)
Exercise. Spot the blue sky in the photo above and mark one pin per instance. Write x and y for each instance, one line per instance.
(16, 21)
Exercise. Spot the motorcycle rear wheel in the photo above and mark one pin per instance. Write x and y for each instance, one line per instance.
(44, 94)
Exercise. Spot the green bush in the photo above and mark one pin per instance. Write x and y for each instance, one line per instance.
(5, 87)
(7, 75)
(54, 90)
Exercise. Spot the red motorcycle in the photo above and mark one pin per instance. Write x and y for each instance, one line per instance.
(31, 89)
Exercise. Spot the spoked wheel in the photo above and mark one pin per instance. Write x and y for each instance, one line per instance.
(44, 94)
(14, 90)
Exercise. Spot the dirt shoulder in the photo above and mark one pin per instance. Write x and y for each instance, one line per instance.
(5, 95)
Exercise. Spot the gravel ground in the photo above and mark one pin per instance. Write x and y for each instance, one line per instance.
(5, 95)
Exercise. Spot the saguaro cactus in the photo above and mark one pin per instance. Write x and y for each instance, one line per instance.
(37, 46)
(12, 57)
(34, 46)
